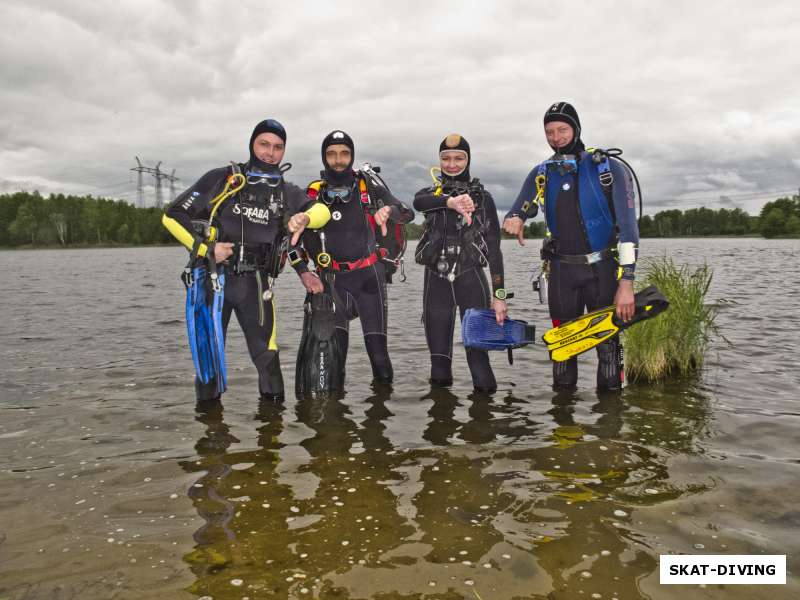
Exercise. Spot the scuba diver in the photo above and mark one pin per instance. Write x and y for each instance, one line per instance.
(591, 245)
(354, 255)
(234, 221)
(461, 235)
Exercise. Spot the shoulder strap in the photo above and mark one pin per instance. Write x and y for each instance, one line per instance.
(363, 189)
(607, 183)
(604, 172)
(476, 188)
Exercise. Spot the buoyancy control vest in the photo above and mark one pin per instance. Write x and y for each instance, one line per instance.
(447, 244)
(253, 219)
(389, 248)
(596, 209)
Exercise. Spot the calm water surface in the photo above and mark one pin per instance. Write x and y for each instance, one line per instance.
(112, 485)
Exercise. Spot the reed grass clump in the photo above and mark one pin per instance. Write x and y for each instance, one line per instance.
(673, 343)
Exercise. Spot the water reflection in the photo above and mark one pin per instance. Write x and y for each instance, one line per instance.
(499, 496)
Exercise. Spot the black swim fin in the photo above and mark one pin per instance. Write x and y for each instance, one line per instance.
(320, 359)
(584, 333)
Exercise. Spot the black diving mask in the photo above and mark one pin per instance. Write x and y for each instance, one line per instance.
(257, 178)
(337, 194)
(272, 178)
(564, 165)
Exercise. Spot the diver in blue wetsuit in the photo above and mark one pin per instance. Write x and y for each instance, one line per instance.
(236, 222)
(592, 237)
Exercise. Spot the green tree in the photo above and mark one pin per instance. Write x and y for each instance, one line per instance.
(646, 228)
(789, 206)
(774, 223)
(738, 222)
(123, 233)
(536, 229)
(793, 225)
(9, 205)
(668, 223)
(26, 224)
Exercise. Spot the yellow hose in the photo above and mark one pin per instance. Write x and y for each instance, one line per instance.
(437, 181)
(231, 188)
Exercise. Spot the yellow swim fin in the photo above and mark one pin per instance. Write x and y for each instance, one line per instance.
(584, 333)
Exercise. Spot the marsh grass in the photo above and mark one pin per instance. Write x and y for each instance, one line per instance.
(673, 343)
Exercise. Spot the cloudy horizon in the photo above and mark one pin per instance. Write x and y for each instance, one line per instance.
(702, 98)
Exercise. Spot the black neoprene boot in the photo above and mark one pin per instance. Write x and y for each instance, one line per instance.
(609, 366)
(565, 374)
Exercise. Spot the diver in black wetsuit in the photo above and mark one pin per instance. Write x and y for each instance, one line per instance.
(251, 227)
(461, 236)
(346, 253)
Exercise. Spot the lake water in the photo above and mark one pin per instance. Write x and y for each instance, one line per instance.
(113, 486)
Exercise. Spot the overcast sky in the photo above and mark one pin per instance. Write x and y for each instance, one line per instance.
(702, 96)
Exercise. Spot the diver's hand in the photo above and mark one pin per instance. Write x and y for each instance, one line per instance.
(311, 282)
(624, 300)
(297, 223)
(515, 226)
(463, 205)
(500, 309)
(222, 251)
(382, 216)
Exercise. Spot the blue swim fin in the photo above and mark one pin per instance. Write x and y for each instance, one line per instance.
(192, 287)
(479, 329)
(219, 333)
(204, 325)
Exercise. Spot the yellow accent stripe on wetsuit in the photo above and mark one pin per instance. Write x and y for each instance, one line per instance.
(318, 216)
(182, 235)
(273, 338)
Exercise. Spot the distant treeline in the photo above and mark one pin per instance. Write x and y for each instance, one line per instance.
(33, 220)
(29, 219)
(780, 218)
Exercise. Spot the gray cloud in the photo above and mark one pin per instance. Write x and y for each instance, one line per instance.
(704, 107)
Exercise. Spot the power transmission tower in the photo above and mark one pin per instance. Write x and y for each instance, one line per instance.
(172, 179)
(139, 183)
(159, 176)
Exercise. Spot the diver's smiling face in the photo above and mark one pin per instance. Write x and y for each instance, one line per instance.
(453, 162)
(559, 134)
(269, 148)
(338, 157)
